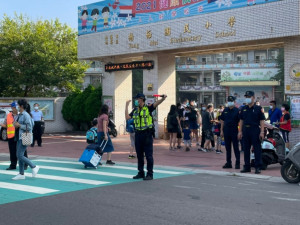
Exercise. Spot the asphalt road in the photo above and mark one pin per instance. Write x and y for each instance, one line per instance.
(189, 199)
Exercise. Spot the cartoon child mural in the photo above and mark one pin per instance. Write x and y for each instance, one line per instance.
(95, 16)
(84, 17)
(105, 15)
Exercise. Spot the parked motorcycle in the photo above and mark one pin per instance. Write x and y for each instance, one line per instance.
(290, 170)
(273, 147)
(111, 126)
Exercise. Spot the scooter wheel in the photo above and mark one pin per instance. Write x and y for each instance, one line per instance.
(289, 172)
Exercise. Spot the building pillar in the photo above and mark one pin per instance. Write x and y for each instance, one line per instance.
(163, 78)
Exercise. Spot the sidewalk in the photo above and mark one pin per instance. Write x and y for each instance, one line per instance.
(72, 145)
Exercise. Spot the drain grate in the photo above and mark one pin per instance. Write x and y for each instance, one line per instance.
(195, 165)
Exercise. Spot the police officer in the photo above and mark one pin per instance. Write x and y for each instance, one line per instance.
(252, 130)
(229, 130)
(38, 118)
(143, 124)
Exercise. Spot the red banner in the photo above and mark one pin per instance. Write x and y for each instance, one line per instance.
(146, 6)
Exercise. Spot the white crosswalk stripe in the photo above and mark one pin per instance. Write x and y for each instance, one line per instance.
(60, 178)
(26, 188)
(114, 166)
(82, 171)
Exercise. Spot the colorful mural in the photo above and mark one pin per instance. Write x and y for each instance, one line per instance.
(115, 14)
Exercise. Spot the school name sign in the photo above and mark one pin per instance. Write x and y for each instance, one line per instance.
(117, 14)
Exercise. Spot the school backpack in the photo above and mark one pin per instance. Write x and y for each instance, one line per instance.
(91, 135)
(130, 126)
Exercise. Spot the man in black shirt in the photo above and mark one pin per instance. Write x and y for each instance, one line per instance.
(252, 130)
(229, 130)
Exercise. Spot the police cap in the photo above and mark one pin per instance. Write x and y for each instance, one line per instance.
(249, 94)
(140, 95)
(14, 104)
(231, 99)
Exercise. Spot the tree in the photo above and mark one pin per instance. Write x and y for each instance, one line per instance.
(93, 104)
(38, 58)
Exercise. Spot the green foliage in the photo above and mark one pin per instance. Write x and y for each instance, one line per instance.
(93, 104)
(137, 82)
(82, 107)
(38, 58)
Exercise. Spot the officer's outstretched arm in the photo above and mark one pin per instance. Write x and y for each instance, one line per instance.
(158, 102)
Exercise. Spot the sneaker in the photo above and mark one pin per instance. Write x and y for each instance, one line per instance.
(35, 170)
(212, 149)
(187, 149)
(139, 176)
(148, 177)
(131, 157)
(202, 149)
(179, 147)
(218, 151)
(109, 162)
(19, 177)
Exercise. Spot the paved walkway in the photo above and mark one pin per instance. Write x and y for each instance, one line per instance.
(72, 145)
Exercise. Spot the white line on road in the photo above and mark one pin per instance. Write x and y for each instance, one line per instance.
(288, 199)
(114, 166)
(82, 171)
(60, 178)
(27, 188)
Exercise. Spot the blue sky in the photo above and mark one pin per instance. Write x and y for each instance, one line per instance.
(64, 10)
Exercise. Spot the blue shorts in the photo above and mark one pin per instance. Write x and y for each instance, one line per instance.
(193, 125)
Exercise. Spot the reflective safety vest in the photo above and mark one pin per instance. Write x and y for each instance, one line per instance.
(142, 118)
(10, 125)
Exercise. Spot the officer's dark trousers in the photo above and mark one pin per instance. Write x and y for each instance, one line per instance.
(12, 145)
(251, 137)
(144, 144)
(230, 137)
(37, 133)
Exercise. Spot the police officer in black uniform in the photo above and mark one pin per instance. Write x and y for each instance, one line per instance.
(143, 125)
(229, 130)
(252, 131)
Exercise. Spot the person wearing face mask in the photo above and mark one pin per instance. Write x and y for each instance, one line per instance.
(285, 124)
(143, 124)
(38, 117)
(274, 113)
(11, 136)
(229, 130)
(252, 130)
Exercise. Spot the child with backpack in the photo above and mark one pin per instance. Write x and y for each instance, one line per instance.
(130, 129)
(91, 134)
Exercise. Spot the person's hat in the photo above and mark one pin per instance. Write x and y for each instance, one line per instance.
(249, 94)
(14, 104)
(231, 99)
(140, 95)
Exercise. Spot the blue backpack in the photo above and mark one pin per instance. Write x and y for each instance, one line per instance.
(130, 126)
(91, 135)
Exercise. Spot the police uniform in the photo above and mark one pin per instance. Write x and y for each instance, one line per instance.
(230, 117)
(143, 137)
(251, 117)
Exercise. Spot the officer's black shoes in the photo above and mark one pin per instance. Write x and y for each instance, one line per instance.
(11, 168)
(148, 177)
(257, 171)
(227, 166)
(139, 176)
(237, 166)
(246, 170)
(109, 162)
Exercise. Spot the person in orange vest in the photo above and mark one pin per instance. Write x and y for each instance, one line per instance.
(12, 143)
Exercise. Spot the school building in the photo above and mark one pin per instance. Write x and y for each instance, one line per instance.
(216, 47)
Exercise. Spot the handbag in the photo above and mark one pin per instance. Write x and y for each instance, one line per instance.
(26, 137)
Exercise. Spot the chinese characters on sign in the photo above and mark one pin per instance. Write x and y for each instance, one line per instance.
(129, 66)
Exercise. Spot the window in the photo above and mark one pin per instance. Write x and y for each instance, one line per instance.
(206, 59)
(241, 57)
(2, 114)
(227, 57)
(207, 98)
(217, 75)
(273, 54)
(220, 98)
(260, 56)
(96, 79)
(219, 58)
(207, 79)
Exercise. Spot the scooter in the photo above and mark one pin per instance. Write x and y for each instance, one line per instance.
(290, 170)
(273, 148)
(111, 126)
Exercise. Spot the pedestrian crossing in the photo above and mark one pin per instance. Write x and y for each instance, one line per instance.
(61, 176)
